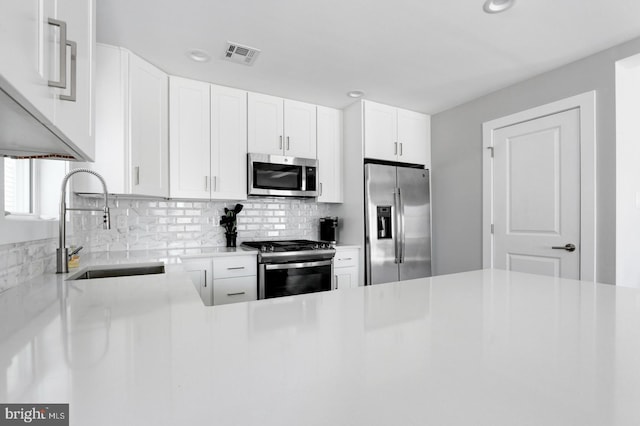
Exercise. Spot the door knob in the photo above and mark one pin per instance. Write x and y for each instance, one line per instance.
(568, 247)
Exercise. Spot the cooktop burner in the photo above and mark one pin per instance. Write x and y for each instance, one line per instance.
(287, 246)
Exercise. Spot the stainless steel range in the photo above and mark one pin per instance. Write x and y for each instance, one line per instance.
(293, 267)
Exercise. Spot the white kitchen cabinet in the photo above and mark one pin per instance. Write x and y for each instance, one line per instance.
(233, 290)
(208, 141)
(281, 126)
(31, 47)
(228, 143)
(224, 279)
(132, 137)
(395, 134)
(234, 279)
(345, 267)
(201, 273)
(189, 139)
(74, 105)
(329, 154)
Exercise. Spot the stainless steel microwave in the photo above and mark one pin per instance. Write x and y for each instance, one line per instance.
(281, 176)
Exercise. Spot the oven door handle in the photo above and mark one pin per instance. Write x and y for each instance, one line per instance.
(275, 266)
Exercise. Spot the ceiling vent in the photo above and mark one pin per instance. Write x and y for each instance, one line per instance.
(241, 54)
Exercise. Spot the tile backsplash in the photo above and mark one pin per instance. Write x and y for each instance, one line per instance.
(21, 262)
(141, 224)
(144, 224)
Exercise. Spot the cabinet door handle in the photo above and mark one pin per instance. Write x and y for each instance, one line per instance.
(321, 188)
(136, 172)
(401, 148)
(71, 97)
(215, 183)
(346, 258)
(236, 294)
(235, 268)
(336, 276)
(287, 143)
(280, 141)
(395, 148)
(205, 278)
(206, 183)
(62, 82)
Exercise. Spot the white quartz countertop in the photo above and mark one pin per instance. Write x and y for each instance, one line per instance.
(478, 348)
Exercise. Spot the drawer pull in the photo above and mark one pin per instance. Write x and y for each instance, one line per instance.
(235, 268)
(235, 294)
(346, 258)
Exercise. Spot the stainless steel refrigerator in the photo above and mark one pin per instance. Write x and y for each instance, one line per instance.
(398, 223)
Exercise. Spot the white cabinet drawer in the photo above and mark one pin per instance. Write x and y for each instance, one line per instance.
(232, 290)
(345, 258)
(234, 266)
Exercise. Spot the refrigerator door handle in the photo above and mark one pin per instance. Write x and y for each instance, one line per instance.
(400, 232)
(396, 224)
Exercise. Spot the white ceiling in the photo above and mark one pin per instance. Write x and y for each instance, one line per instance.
(424, 55)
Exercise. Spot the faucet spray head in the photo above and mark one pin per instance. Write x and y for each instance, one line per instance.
(106, 223)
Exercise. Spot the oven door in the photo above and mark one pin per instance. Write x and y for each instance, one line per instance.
(287, 279)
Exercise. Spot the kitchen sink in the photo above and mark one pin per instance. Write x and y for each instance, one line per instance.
(111, 271)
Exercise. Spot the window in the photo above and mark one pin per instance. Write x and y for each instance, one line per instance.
(29, 199)
(31, 187)
(18, 186)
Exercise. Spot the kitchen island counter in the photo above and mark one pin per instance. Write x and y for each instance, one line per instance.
(485, 347)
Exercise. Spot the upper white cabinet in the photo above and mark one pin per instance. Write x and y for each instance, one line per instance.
(281, 126)
(395, 134)
(132, 140)
(330, 162)
(208, 141)
(47, 49)
(189, 139)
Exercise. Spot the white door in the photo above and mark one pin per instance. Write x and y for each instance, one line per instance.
(148, 128)
(380, 131)
(536, 187)
(228, 143)
(414, 135)
(300, 129)
(330, 154)
(265, 124)
(28, 50)
(189, 139)
(73, 107)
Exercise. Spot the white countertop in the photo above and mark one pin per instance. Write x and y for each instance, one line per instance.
(478, 348)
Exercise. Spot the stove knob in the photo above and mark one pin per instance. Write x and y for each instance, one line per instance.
(263, 248)
(316, 246)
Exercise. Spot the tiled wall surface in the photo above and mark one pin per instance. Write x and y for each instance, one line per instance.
(21, 262)
(138, 224)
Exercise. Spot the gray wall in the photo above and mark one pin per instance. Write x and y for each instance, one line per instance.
(456, 138)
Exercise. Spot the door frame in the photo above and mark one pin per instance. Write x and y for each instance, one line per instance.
(586, 105)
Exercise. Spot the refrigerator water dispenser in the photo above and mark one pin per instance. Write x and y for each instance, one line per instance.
(384, 222)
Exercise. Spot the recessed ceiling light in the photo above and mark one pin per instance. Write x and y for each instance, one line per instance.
(198, 55)
(497, 6)
(355, 94)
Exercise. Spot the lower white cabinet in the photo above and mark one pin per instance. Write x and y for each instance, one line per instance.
(232, 290)
(224, 279)
(345, 267)
(200, 272)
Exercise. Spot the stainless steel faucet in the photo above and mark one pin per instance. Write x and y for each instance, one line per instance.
(62, 253)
